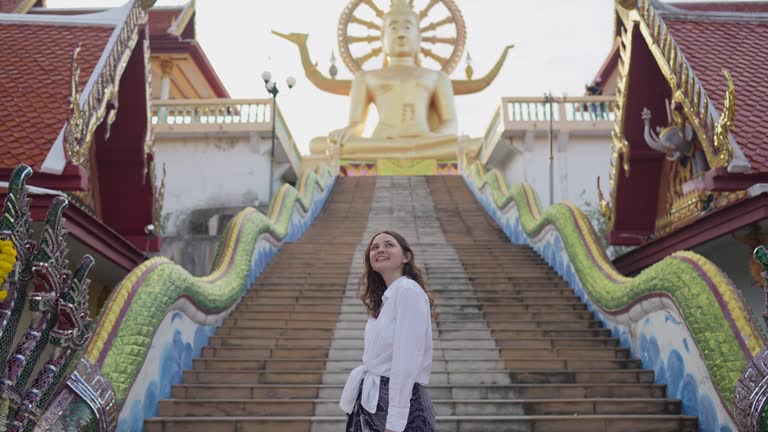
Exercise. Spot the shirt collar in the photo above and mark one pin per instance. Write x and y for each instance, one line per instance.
(390, 290)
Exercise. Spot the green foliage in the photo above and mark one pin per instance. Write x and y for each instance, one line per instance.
(592, 212)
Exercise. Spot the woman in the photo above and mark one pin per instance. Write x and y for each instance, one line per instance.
(387, 393)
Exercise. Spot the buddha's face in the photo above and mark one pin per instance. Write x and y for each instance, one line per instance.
(401, 37)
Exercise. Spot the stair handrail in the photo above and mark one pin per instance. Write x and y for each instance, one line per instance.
(722, 328)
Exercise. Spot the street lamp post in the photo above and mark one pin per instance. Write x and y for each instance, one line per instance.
(271, 87)
(551, 153)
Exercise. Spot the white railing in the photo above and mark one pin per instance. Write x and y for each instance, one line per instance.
(516, 115)
(570, 109)
(212, 111)
(208, 115)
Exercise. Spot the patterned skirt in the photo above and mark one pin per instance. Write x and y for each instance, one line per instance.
(421, 417)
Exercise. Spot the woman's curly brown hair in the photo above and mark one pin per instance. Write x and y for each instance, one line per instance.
(372, 284)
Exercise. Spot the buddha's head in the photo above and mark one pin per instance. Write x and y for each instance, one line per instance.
(400, 35)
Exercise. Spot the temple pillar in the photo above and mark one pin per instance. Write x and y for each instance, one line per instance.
(166, 67)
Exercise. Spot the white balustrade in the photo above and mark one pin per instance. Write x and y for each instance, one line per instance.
(210, 115)
(211, 111)
(568, 109)
(518, 115)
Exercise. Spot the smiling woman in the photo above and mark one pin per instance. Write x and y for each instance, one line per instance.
(387, 393)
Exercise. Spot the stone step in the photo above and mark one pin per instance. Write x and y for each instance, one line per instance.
(308, 293)
(242, 331)
(587, 344)
(322, 270)
(242, 312)
(591, 352)
(319, 301)
(232, 341)
(528, 298)
(542, 314)
(354, 343)
(468, 294)
(523, 333)
(304, 308)
(568, 423)
(246, 353)
(483, 353)
(441, 324)
(534, 360)
(442, 308)
(518, 376)
(544, 333)
(278, 288)
(274, 323)
(452, 407)
(517, 324)
(517, 391)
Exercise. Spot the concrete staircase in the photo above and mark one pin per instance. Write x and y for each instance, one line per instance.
(515, 350)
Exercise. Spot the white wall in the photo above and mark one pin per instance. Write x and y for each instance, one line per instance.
(211, 171)
(734, 258)
(578, 160)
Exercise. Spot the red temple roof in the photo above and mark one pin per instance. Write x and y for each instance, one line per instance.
(8, 6)
(712, 37)
(173, 21)
(742, 6)
(36, 69)
(160, 20)
(741, 47)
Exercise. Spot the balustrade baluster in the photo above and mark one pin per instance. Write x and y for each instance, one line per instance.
(251, 118)
(198, 114)
(578, 110)
(238, 112)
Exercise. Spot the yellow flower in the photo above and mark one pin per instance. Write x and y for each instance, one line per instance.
(7, 260)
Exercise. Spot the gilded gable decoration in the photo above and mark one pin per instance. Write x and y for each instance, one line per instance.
(620, 147)
(686, 88)
(85, 116)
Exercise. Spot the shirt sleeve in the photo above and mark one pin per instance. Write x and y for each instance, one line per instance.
(412, 319)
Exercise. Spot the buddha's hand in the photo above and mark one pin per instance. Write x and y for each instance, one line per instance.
(340, 136)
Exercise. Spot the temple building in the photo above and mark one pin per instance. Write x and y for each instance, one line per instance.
(690, 165)
(98, 152)
(224, 290)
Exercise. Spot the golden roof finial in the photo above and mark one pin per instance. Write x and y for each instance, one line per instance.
(722, 141)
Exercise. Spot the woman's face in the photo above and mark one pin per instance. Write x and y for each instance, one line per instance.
(386, 254)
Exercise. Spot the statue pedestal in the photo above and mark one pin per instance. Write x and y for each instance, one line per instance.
(395, 167)
(398, 167)
(385, 167)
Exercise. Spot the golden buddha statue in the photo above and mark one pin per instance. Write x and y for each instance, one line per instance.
(417, 115)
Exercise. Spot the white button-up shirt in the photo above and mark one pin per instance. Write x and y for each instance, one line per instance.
(398, 345)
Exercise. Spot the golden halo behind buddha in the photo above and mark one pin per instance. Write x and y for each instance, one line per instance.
(441, 24)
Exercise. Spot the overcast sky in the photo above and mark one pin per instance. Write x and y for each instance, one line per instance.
(559, 46)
